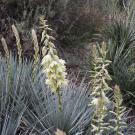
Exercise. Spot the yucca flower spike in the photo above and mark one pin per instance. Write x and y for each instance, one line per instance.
(100, 100)
(53, 66)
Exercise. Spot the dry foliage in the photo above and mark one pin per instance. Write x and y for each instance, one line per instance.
(59, 132)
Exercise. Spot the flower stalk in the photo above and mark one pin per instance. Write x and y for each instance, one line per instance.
(100, 76)
(53, 66)
(118, 124)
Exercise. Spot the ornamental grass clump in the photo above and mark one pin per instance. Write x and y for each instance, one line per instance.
(118, 123)
(100, 77)
(53, 66)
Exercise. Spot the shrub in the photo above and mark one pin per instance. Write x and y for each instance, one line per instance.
(73, 21)
(75, 115)
(120, 36)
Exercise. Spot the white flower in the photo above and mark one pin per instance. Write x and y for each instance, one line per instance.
(105, 98)
(95, 102)
(46, 60)
(54, 69)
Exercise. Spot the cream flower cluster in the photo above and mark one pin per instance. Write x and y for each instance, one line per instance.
(55, 70)
(100, 88)
(53, 66)
(118, 123)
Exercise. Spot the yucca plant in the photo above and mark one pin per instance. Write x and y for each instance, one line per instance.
(120, 36)
(41, 114)
(101, 121)
(17, 86)
(13, 96)
(15, 92)
(75, 115)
